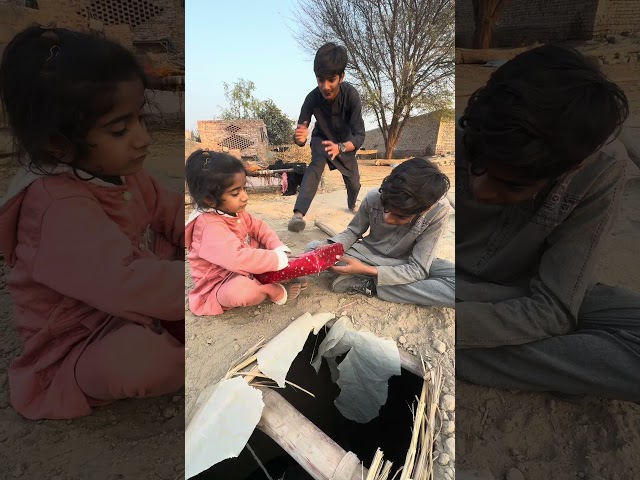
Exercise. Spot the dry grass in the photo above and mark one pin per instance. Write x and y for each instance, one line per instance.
(418, 463)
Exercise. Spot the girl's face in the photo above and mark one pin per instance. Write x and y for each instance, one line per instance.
(235, 198)
(119, 141)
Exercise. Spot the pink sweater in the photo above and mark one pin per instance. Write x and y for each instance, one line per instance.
(79, 259)
(220, 245)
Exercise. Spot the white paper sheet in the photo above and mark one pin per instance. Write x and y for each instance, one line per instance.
(222, 426)
(276, 357)
(363, 375)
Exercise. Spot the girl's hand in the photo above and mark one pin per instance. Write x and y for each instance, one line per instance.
(331, 148)
(354, 267)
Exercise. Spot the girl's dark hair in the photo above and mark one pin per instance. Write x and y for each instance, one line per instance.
(542, 114)
(209, 174)
(331, 59)
(413, 187)
(55, 84)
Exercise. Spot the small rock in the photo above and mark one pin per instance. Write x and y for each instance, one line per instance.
(514, 474)
(439, 346)
(402, 340)
(444, 459)
(176, 398)
(209, 342)
(236, 347)
(449, 403)
(169, 412)
(450, 447)
(448, 427)
(344, 313)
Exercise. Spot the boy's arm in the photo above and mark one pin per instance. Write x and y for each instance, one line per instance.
(421, 258)
(356, 227)
(565, 273)
(356, 123)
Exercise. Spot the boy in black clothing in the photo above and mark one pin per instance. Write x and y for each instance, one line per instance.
(338, 134)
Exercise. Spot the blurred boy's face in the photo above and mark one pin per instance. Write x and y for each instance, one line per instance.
(235, 198)
(329, 86)
(393, 216)
(500, 186)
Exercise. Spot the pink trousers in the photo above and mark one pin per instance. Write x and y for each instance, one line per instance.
(128, 360)
(241, 291)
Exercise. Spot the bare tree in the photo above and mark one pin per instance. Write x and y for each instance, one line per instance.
(485, 14)
(401, 53)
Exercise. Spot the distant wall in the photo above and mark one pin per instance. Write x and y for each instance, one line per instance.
(524, 22)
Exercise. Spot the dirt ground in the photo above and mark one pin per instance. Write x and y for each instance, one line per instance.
(134, 439)
(213, 343)
(533, 436)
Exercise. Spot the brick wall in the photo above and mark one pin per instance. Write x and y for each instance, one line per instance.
(248, 136)
(446, 136)
(524, 22)
(421, 136)
(616, 17)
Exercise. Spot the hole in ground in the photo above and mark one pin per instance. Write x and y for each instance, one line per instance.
(390, 431)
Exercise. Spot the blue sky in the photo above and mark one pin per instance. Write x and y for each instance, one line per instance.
(250, 39)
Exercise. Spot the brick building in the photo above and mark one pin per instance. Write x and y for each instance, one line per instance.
(524, 22)
(148, 27)
(152, 29)
(248, 136)
(428, 134)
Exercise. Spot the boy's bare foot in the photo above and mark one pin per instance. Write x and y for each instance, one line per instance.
(297, 223)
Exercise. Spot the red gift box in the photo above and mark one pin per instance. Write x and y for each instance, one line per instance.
(309, 263)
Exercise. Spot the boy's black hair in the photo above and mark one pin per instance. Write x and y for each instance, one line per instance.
(54, 85)
(330, 60)
(209, 174)
(542, 113)
(413, 187)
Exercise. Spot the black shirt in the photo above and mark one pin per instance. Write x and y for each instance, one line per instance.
(343, 117)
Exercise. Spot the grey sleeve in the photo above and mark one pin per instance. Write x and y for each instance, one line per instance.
(356, 122)
(565, 273)
(356, 228)
(421, 258)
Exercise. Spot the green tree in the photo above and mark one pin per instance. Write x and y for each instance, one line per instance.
(243, 105)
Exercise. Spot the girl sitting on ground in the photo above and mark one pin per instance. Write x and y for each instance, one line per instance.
(91, 239)
(226, 244)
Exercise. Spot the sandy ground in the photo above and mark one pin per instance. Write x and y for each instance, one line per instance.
(134, 439)
(213, 343)
(533, 436)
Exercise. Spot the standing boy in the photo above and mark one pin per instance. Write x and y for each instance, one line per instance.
(338, 134)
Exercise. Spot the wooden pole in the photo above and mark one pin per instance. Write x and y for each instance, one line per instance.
(325, 228)
(309, 446)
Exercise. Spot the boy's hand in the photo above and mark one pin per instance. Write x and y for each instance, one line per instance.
(354, 267)
(302, 132)
(331, 148)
